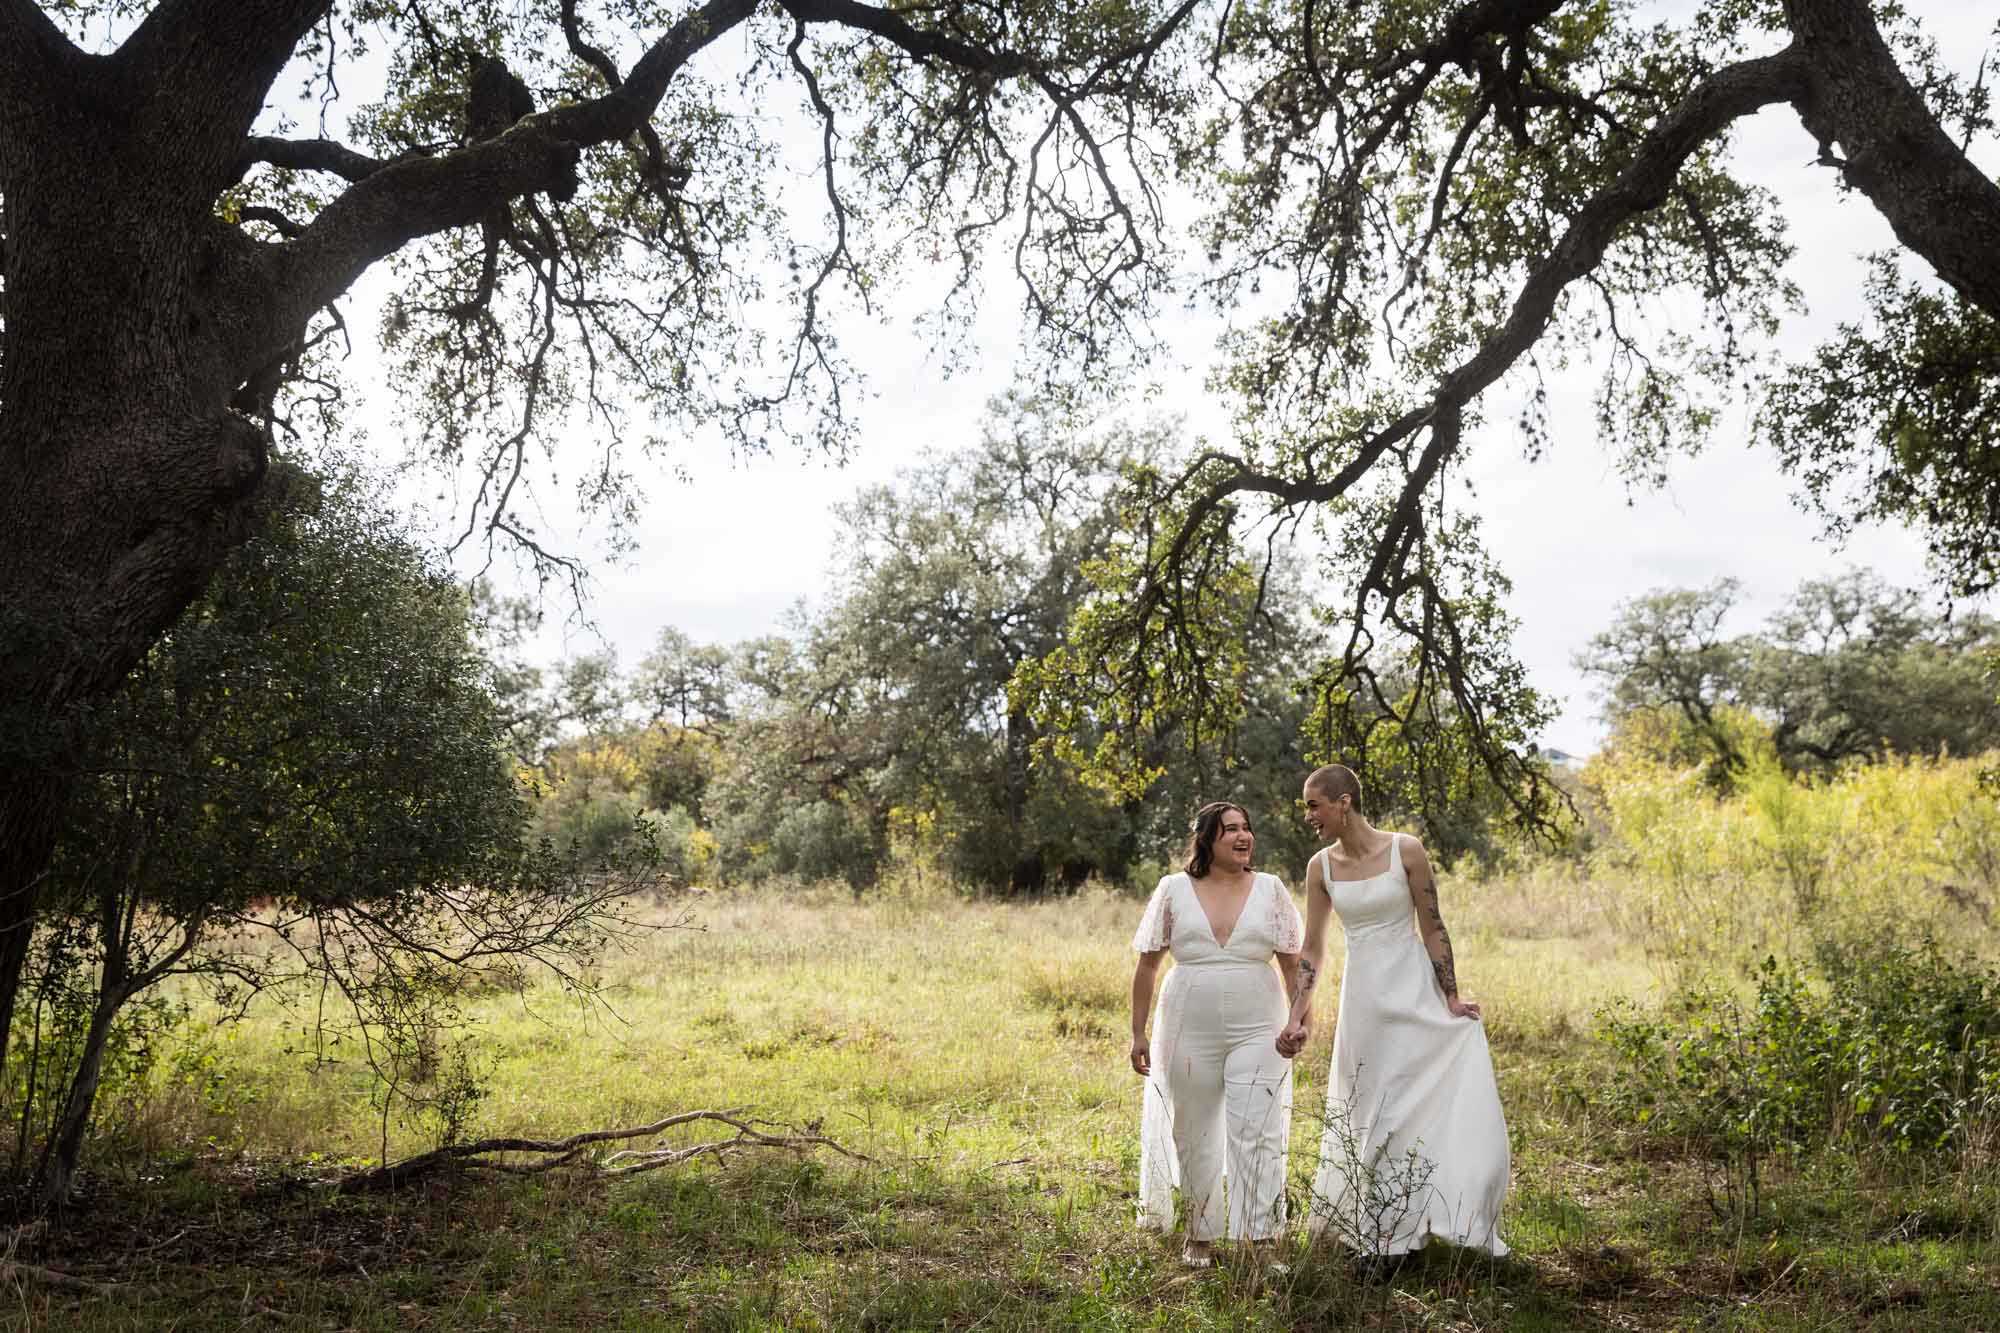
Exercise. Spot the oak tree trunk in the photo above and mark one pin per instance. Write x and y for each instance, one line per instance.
(129, 474)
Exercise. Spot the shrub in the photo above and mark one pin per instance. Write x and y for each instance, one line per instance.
(821, 840)
(598, 822)
(687, 852)
(1893, 1048)
(1903, 847)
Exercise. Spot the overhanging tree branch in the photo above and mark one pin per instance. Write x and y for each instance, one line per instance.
(392, 203)
(892, 27)
(326, 155)
(413, 197)
(1894, 151)
(1462, 679)
(1645, 183)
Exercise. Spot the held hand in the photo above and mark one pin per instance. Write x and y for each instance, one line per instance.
(1462, 1008)
(1293, 1039)
(1142, 1057)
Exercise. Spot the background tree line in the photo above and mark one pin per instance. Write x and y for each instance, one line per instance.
(1848, 669)
(888, 718)
(899, 717)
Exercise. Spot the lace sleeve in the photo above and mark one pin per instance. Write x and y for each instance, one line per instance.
(1156, 927)
(1288, 930)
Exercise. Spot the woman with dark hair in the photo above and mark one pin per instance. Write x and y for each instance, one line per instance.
(1218, 1093)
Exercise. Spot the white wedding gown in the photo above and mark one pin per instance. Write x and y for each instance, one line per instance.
(1415, 1143)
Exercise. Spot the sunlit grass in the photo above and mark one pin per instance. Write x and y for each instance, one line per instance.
(975, 1052)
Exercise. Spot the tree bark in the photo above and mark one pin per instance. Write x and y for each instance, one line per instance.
(31, 810)
(1892, 148)
(65, 1148)
(130, 476)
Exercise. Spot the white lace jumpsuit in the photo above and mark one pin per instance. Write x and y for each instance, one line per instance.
(1219, 1100)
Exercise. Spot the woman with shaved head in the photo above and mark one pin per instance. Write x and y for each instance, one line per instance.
(1415, 1143)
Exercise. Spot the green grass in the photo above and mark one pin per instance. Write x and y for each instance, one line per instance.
(976, 1053)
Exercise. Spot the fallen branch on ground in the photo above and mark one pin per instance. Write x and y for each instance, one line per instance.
(13, 1272)
(551, 1154)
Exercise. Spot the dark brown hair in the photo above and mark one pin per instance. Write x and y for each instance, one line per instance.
(1201, 835)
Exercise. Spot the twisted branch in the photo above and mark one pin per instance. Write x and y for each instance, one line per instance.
(551, 1154)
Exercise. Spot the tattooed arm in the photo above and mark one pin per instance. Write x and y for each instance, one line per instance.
(1430, 925)
(1311, 960)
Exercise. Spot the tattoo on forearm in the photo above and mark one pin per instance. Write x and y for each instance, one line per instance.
(1441, 964)
(1308, 974)
(1441, 961)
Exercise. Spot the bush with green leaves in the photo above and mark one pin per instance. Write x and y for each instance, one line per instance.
(302, 786)
(817, 840)
(1877, 1048)
(685, 851)
(1712, 883)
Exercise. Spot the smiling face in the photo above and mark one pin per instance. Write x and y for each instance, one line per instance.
(1327, 814)
(1234, 843)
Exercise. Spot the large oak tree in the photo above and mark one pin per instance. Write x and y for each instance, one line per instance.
(579, 227)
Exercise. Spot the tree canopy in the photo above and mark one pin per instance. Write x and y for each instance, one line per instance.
(1399, 203)
(1446, 198)
(893, 717)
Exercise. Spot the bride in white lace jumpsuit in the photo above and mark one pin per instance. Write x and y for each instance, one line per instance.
(1218, 1098)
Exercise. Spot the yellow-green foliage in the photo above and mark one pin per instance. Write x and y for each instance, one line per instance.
(1901, 848)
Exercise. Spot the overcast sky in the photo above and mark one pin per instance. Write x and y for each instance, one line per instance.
(726, 545)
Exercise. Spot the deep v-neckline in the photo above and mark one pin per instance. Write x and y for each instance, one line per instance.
(1208, 922)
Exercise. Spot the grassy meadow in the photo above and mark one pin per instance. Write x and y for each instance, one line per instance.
(974, 1052)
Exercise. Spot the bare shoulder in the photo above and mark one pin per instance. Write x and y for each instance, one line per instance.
(1315, 874)
(1415, 859)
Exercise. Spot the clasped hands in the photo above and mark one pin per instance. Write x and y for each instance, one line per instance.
(1292, 1037)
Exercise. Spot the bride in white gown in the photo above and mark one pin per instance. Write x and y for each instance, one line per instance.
(1415, 1144)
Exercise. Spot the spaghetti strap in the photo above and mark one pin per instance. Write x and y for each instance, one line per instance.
(1395, 851)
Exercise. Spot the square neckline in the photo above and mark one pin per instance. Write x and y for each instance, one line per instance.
(1395, 860)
